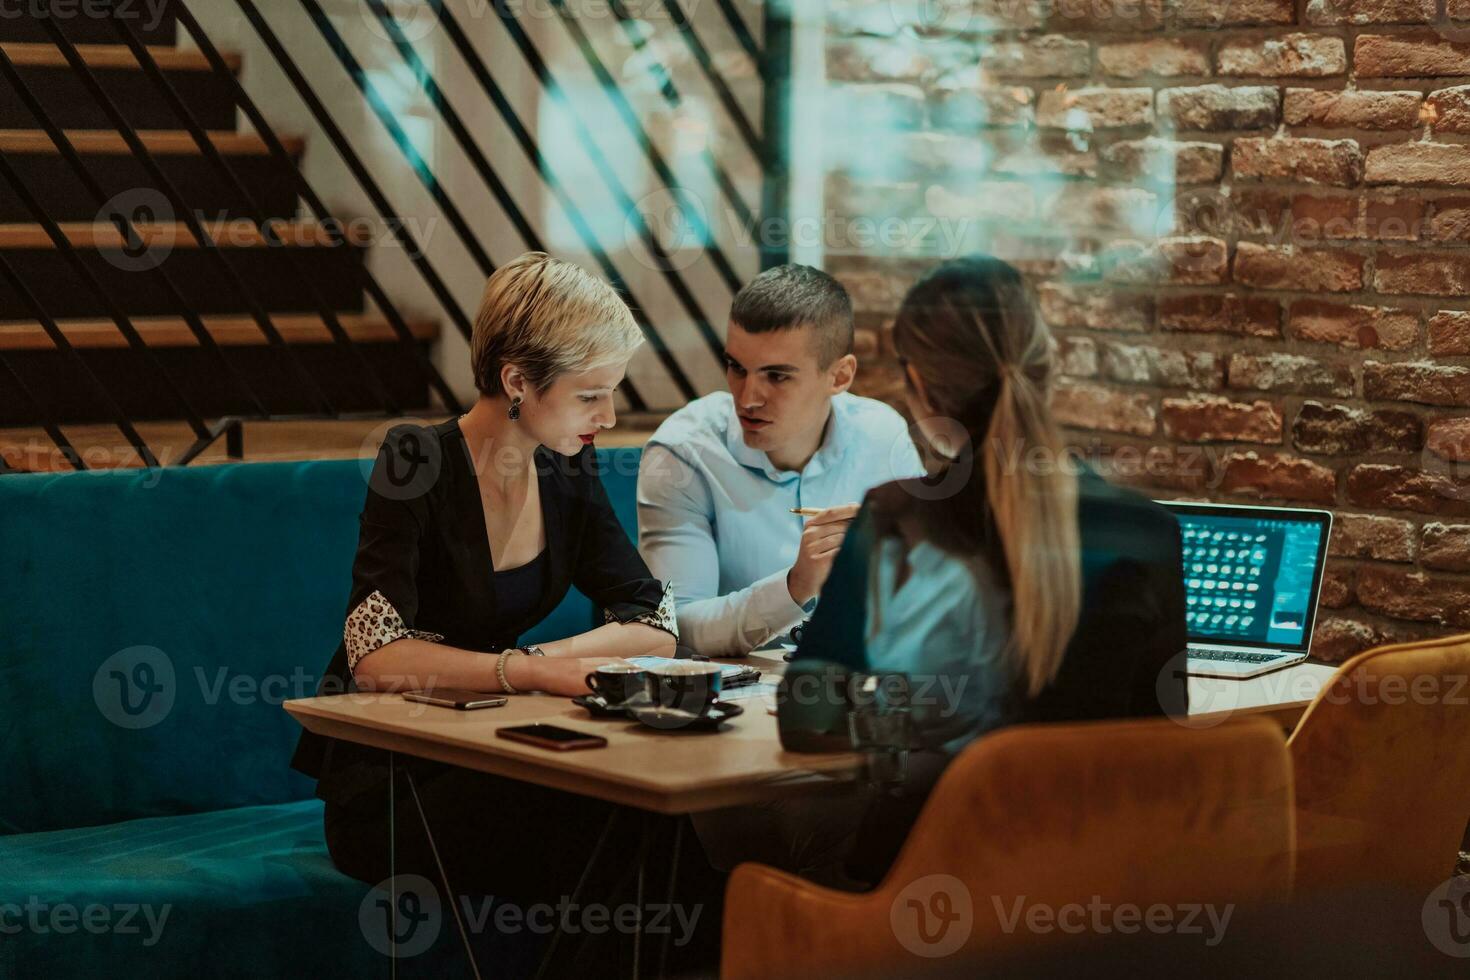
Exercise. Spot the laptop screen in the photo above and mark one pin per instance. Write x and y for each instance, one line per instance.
(1252, 574)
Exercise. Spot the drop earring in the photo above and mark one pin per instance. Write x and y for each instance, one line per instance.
(515, 410)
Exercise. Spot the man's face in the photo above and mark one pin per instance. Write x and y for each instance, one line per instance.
(782, 396)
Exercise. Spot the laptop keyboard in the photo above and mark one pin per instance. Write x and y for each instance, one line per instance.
(1234, 656)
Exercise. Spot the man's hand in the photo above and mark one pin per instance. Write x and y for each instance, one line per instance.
(820, 542)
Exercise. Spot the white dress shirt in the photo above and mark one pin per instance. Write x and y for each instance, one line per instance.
(714, 514)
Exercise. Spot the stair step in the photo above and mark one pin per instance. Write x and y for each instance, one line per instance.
(227, 331)
(70, 105)
(173, 142)
(277, 281)
(81, 25)
(226, 234)
(169, 58)
(63, 197)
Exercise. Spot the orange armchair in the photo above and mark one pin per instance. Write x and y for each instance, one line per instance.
(1138, 812)
(1382, 760)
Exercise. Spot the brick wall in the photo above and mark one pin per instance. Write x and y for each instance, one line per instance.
(1248, 222)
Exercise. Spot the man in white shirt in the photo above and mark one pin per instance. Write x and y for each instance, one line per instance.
(720, 477)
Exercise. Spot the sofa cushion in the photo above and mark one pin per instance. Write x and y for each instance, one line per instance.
(152, 622)
(248, 892)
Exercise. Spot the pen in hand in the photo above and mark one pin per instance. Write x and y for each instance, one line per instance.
(806, 511)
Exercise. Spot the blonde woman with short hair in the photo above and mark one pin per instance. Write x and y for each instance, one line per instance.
(472, 532)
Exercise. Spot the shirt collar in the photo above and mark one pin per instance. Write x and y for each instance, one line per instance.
(827, 453)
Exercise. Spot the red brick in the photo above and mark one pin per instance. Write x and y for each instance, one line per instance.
(1338, 581)
(1183, 468)
(1090, 406)
(1382, 486)
(1351, 109)
(1448, 109)
(1164, 160)
(1392, 217)
(1431, 164)
(1135, 364)
(1311, 161)
(1289, 374)
(1278, 475)
(1212, 419)
(1324, 12)
(1241, 316)
(965, 110)
(1450, 224)
(1035, 160)
(1095, 108)
(1287, 267)
(1430, 384)
(1368, 536)
(1316, 220)
(1220, 108)
(1159, 57)
(1352, 326)
(993, 200)
(847, 195)
(1336, 639)
(1234, 13)
(1446, 547)
(1188, 259)
(1048, 56)
(1415, 595)
(1337, 430)
(1091, 208)
(1106, 15)
(1077, 357)
(1457, 9)
(1449, 333)
(1450, 439)
(1285, 55)
(875, 59)
(1075, 307)
(876, 285)
(1425, 273)
(1414, 54)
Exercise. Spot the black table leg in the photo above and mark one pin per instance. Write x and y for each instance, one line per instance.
(464, 934)
(602, 838)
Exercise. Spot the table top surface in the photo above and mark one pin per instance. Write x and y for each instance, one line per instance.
(684, 771)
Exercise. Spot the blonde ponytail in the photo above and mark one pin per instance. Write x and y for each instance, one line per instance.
(1034, 499)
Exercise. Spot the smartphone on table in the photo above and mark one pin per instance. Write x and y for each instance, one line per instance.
(552, 737)
(449, 697)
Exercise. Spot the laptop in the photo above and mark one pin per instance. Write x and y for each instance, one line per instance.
(1252, 576)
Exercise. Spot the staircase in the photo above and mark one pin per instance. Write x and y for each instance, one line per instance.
(375, 369)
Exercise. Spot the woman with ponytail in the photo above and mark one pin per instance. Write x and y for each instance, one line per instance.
(1012, 583)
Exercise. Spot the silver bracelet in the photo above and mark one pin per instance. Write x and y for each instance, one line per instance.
(500, 672)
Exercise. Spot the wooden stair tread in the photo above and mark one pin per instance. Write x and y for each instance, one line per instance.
(103, 447)
(232, 331)
(160, 141)
(38, 54)
(226, 234)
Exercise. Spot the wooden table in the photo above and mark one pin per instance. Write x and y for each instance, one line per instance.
(1282, 694)
(661, 771)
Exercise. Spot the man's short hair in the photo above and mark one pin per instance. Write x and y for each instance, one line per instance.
(790, 296)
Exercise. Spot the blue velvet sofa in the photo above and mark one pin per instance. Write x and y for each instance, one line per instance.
(151, 624)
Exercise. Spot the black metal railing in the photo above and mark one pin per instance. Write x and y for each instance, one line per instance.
(137, 237)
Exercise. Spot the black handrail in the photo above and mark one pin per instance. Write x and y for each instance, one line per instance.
(740, 30)
(267, 133)
(47, 422)
(716, 80)
(543, 169)
(256, 214)
(201, 235)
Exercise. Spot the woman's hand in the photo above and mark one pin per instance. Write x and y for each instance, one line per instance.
(566, 676)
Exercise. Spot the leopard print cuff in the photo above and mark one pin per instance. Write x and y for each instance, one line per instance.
(375, 623)
(663, 618)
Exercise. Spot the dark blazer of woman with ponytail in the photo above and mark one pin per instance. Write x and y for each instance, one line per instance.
(1012, 584)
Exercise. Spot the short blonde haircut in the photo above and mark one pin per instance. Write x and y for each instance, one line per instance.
(548, 317)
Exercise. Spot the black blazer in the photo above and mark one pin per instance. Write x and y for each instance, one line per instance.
(423, 569)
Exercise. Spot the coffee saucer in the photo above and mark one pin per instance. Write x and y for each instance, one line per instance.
(675, 719)
(598, 707)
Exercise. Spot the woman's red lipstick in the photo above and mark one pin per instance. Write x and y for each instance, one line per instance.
(588, 438)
